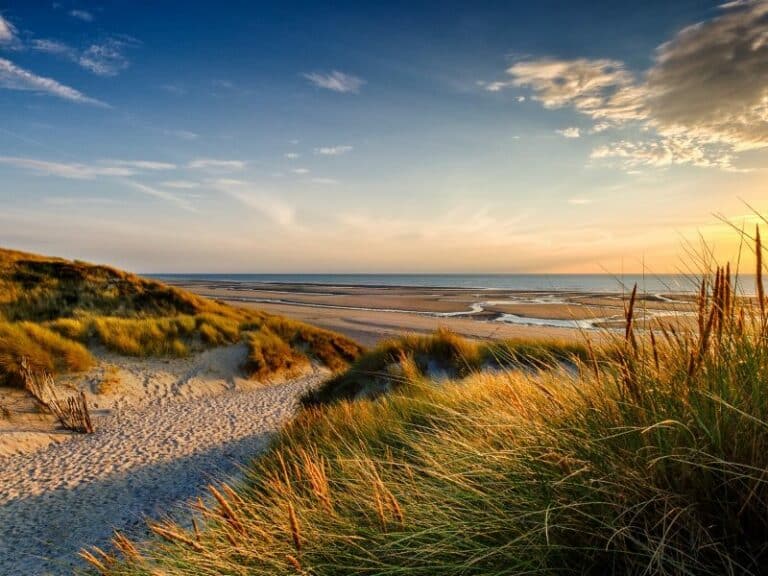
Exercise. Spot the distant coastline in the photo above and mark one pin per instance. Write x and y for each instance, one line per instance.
(545, 283)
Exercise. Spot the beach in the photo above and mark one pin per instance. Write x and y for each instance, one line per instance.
(370, 314)
(169, 428)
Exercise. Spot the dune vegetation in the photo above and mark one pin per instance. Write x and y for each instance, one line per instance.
(52, 311)
(647, 456)
(441, 356)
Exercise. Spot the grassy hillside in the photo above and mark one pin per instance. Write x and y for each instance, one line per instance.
(649, 458)
(53, 310)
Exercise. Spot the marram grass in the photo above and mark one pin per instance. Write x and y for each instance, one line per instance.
(52, 311)
(651, 458)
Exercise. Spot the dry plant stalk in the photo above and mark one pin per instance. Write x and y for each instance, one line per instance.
(172, 534)
(759, 274)
(626, 361)
(293, 523)
(293, 561)
(72, 412)
(227, 512)
(126, 547)
(93, 561)
(318, 480)
(630, 314)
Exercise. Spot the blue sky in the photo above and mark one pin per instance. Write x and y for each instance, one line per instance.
(380, 137)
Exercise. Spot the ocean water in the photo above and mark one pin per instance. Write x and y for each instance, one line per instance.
(664, 283)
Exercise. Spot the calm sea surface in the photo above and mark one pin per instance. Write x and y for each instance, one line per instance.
(664, 283)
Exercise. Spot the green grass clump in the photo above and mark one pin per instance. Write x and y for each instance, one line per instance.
(329, 348)
(647, 459)
(269, 354)
(145, 336)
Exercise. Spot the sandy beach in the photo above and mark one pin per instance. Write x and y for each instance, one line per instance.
(370, 314)
(163, 432)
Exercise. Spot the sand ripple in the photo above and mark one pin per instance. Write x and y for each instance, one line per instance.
(141, 462)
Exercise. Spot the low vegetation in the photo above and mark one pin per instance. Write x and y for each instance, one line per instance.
(441, 356)
(649, 458)
(52, 311)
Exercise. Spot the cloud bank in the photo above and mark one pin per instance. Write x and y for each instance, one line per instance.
(704, 99)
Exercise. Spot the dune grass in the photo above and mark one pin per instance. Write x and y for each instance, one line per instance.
(53, 310)
(649, 459)
(44, 348)
(442, 355)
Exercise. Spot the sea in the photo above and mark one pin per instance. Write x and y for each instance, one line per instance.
(607, 283)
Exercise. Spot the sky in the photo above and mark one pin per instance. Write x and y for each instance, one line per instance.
(403, 137)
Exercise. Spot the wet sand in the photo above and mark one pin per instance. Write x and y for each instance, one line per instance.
(370, 314)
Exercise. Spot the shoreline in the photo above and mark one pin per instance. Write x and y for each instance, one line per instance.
(617, 284)
(374, 313)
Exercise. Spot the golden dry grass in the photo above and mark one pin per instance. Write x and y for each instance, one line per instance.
(648, 458)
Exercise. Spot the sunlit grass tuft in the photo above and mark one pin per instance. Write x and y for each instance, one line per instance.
(440, 356)
(44, 349)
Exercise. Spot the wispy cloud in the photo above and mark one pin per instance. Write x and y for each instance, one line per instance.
(300, 171)
(570, 132)
(180, 184)
(335, 81)
(291, 155)
(13, 77)
(324, 181)
(80, 171)
(105, 58)
(667, 151)
(333, 150)
(142, 164)
(52, 47)
(7, 31)
(216, 164)
(493, 86)
(162, 195)
(704, 100)
(83, 15)
(267, 203)
(87, 200)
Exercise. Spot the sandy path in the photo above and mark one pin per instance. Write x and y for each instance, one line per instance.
(144, 461)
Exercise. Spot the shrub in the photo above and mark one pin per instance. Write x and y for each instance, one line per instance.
(268, 355)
